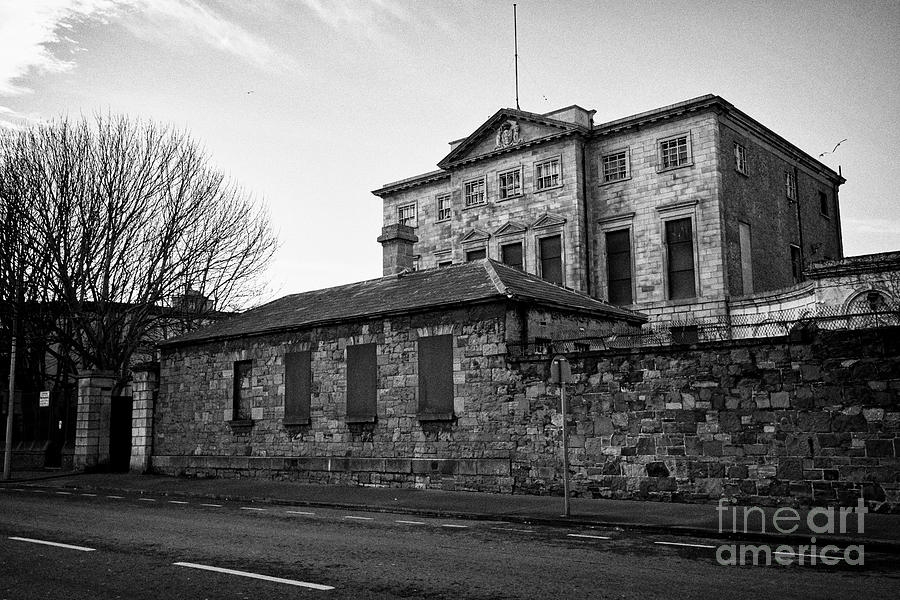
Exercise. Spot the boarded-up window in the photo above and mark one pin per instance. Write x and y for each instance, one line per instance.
(362, 383)
(243, 371)
(550, 249)
(618, 266)
(477, 254)
(680, 248)
(512, 255)
(796, 264)
(436, 377)
(297, 387)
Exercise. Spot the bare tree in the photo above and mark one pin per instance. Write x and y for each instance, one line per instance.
(125, 217)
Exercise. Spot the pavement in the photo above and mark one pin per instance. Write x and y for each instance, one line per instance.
(880, 532)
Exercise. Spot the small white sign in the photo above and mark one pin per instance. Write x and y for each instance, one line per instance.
(44, 401)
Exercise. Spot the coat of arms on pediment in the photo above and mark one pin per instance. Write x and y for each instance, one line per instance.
(508, 134)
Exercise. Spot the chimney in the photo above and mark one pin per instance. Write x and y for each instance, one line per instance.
(397, 248)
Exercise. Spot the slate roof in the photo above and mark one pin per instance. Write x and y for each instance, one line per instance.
(476, 281)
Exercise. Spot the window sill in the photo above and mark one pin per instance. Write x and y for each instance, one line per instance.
(240, 425)
(447, 220)
(360, 419)
(437, 416)
(516, 197)
(479, 205)
(614, 181)
(739, 172)
(667, 169)
(547, 189)
(295, 422)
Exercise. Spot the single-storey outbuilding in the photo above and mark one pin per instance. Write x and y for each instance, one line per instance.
(399, 381)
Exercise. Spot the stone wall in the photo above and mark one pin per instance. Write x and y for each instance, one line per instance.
(762, 421)
(192, 433)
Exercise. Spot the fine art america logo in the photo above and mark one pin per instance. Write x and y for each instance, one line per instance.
(819, 521)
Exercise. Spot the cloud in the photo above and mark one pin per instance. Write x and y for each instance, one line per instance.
(376, 20)
(189, 22)
(32, 31)
(13, 119)
(28, 31)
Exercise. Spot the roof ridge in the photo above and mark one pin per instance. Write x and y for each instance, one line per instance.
(495, 278)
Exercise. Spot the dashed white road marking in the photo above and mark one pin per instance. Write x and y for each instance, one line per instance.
(146, 499)
(684, 544)
(252, 508)
(593, 537)
(64, 493)
(513, 529)
(452, 526)
(177, 502)
(299, 512)
(358, 518)
(115, 497)
(57, 544)
(314, 586)
(212, 505)
(411, 522)
(18, 489)
(89, 495)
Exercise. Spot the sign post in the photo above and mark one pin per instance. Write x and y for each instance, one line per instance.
(561, 373)
(44, 400)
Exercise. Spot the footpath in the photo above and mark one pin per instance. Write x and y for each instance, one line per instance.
(879, 532)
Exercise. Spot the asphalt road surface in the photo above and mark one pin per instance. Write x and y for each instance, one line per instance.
(56, 544)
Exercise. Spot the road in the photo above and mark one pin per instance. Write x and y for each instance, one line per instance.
(132, 546)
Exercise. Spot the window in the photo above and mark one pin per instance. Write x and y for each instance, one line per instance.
(746, 258)
(740, 158)
(445, 263)
(550, 249)
(823, 204)
(406, 215)
(790, 185)
(362, 383)
(476, 254)
(297, 387)
(615, 166)
(443, 207)
(243, 385)
(416, 261)
(680, 252)
(511, 254)
(436, 377)
(674, 152)
(510, 184)
(618, 267)
(546, 174)
(474, 192)
(796, 264)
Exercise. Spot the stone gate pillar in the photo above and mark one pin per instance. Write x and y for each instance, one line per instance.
(144, 385)
(92, 421)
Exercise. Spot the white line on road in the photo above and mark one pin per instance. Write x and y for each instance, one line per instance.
(116, 497)
(683, 544)
(411, 522)
(146, 500)
(358, 518)
(315, 586)
(57, 544)
(455, 526)
(64, 493)
(212, 505)
(177, 502)
(299, 512)
(252, 508)
(90, 495)
(512, 529)
(18, 489)
(584, 535)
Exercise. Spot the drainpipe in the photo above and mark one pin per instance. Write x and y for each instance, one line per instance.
(799, 224)
(588, 234)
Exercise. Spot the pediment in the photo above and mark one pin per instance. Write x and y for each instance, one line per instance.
(510, 228)
(548, 220)
(475, 235)
(506, 131)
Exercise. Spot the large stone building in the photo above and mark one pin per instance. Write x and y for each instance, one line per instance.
(674, 211)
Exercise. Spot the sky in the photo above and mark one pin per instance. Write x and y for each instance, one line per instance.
(311, 104)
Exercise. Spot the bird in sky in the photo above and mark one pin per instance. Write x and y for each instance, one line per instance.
(835, 147)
